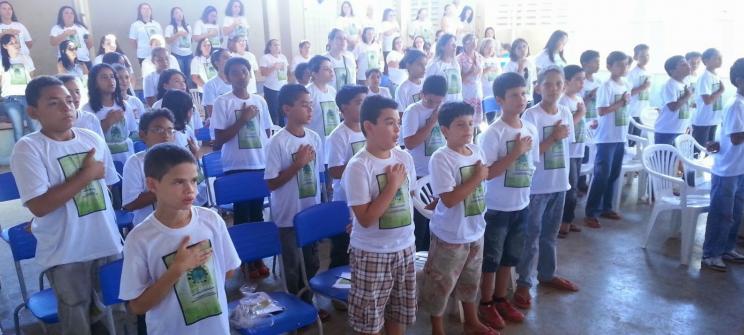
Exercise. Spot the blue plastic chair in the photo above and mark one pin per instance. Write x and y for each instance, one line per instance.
(139, 146)
(257, 241)
(109, 276)
(491, 108)
(8, 192)
(42, 304)
(237, 187)
(314, 224)
(124, 219)
(212, 168)
(203, 134)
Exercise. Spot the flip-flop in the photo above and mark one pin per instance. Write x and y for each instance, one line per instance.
(592, 222)
(490, 331)
(562, 234)
(562, 284)
(521, 301)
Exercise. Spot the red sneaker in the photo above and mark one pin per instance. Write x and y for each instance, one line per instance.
(508, 312)
(490, 316)
(264, 271)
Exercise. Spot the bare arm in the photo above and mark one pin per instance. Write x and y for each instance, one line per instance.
(143, 200)
(462, 191)
(284, 176)
(337, 171)
(421, 135)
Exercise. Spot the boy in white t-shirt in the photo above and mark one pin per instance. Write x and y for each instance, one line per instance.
(344, 142)
(409, 92)
(457, 225)
(378, 182)
(694, 58)
(294, 159)
(150, 85)
(590, 64)
(83, 119)
(571, 99)
(325, 117)
(422, 136)
(640, 80)
(610, 138)
(554, 124)
(675, 98)
(218, 85)
(155, 127)
(62, 174)
(708, 92)
(177, 260)
(509, 150)
(727, 189)
(373, 83)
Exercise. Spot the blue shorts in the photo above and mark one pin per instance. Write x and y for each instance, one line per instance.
(503, 239)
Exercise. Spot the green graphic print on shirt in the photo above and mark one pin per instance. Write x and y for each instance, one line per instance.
(621, 115)
(684, 111)
(91, 198)
(398, 213)
(519, 173)
(248, 135)
(330, 116)
(18, 75)
(116, 137)
(454, 83)
(474, 203)
(357, 146)
(553, 158)
(307, 179)
(434, 141)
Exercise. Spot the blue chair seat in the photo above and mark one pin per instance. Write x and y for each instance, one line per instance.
(296, 314)
(124, 219)
(323, 283)
(43, 305)
(5, 235)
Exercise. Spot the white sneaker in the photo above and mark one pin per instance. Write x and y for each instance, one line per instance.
(713, 263)
(733, 256)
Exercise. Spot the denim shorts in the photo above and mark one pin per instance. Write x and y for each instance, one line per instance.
(504, 238)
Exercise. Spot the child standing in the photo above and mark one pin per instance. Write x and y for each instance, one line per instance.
(378, 182)
(708, 92)
(218, 85)
(675, 98)
(640, 80)
(590, 63)
(83, 119)
(610, 139)
(571, 99)
(325, 117)
(521, 65)
(409, 91)
(445, 64)
(150, 84)
(125, 84)
(62, 175)
(373, 84)
(177, 249)
(457, 225)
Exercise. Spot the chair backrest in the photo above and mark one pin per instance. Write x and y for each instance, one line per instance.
(203, 134)
(109, 276)
(686, 145)
(139, 146)
(662, 163)
(22, 242)
(490, 105)
(423, 195)
(649, 116)
(196, 99)
(241, 186)
(212, 164)
(8, 187)
(321, 221)
(255, 240)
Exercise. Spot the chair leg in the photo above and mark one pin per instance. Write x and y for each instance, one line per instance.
(651, 224)
(320, 325)
(273, 266)
(17, 319)
(689, 222)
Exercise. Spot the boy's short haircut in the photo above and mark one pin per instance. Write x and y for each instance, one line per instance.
(692, 54)
(505, 82)
(435, 85)
(372, 71)
(148, 117)
(588, 56)
(372, 108)
(156, 51)
(671, 63)
(710, 53)
(348, 93)
(737, 71)
(214, 58)
(639, 48)
(411, 56)
(449, 111)
(179, 103)
(66, 78)
(315, 62)
(616, 56)
(571, 70)
(289, 93)
(300, 69)
(163, 157)
(548, 70)
(38, 84)
(235, 61)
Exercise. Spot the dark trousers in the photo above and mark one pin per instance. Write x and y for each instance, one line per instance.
(339, 250)
(607, 167)
(704, 134)
(633, 130)
(272, 100)
(184, 63)
(571, 195)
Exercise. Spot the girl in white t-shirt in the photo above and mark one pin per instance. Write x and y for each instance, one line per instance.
(206, 27)
(491, 64)
(83, 118)
(9, 25)
(125, 83)
(201, 68)
(421, 26)
(520, 64)
(178, 35)
(471, 70)
(17, 70)
(69, 27)
(450, 22)
(274, 68)
(142, 30)
(389, 29)
(466, 24)
(148, 66)
(235, 23)
(238, 46)
(590, 63)
(392, 62)
(303, 57)
(553, 52)
(409, 92)
(68, 62)
(374, 77)
(108, 45)
(107, 103)
(445, 64)
(367, 54)
(343, 62)
(349, 23)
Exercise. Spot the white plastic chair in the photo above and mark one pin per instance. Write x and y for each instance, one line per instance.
(661, 162)
(196, 99)
(686, 145)
(422, 196)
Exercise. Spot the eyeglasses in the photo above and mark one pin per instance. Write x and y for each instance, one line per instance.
(162, 131)
(72, 48)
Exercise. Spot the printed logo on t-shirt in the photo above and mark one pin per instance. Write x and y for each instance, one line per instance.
(475, 202)
(342, 77)
(454, 83)
(621, 115)
(718, 104)
(373, 60)
(491, 75)
(75, 40)
(91, 198)
(554, 156)
(684, 111)
(398, 213)
(591, 108)
(519, 173)
(184, 42)
(18, 74)
(248, 135)
(210, 70)
(196, 290)
(579, 129)
(240, 30)
(307, 180)
(352, 29)
(330, 116)
(434, 141)
(643, 96)
(281, 74)
(214, 40)
(116, 137)
(357, 146)
(416, 97)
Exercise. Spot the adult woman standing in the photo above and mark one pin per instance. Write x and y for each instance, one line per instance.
(70, 28)
(141, 30)
(491, 64)
(466, 24)
(178, 37)
(552, 54)
(367, 54)
(69, 63)
(392, 63)
(16, 73)
(274, 67)
(343, 62)
(9, 25)
(389, 30)
(235, 23)
(206, 27)
(445, 64)
(108, 44)
(471, 70)
(450, 22)
(201, 68)
(349, 23)
(421, 26)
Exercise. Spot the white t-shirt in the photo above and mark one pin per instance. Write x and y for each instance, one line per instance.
(462, 223)
(325, 116)
(728, 162)
(612, 127)
(181, 138)
(251, 58)
(84, 227)
(551, 174)
(243, 28)
(78, 39)
(117, 137)
(344, 69)
(421, 28)
(197, 303)
(195, 122)
(707, 115)
(340, 146)
(142, 32)
(673, 122)
(298, 59)
(202, 67)
(303, 190)
(245, 151)
(23, 36)
(364, 179)
(638, 102)
(383, 91)
(396, 75)
(138, 107)
(451, 72)
(182, 46)
(387, 40)
(150, 85)
(472, 87)
(277, 78)
(577, 146)
(148, 67)
(350, 25)
(15, 79)
(414, 118)
(368, 56)
(134, 183)
(510, 191)
(591, 104)
(407, 94)
(530, 76)
(201, 28)
(542, 61)
(213, 89)
(488, 77)
(88, 120)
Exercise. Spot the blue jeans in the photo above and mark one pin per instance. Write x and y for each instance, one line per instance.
(15, 107)
(184, 63)
(607, 167)
(543, 221)
(665, 138)
(725, 215)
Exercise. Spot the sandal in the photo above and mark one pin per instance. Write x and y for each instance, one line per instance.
(611, 215)
(574, 228)
(324, 315)
(562, 284)
(592, 222)
(562, 233)
(490, 331)
(522, 301)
